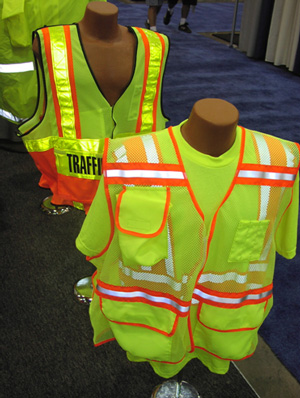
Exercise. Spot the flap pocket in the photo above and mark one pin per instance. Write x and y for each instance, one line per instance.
(141, 220)
(248, 240)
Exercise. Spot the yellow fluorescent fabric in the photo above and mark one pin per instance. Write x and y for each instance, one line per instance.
(65, 114)
(142, 230)
(220, 273)
(248, 240)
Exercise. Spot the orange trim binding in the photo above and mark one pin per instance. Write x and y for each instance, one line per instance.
(146, 70)
(47, 44)
(158, 82)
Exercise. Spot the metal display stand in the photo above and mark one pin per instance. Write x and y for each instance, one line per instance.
(53, 210)
(175, 389)
(234, 22)
(83, 290)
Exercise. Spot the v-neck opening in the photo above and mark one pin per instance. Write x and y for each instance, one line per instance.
(131, 30)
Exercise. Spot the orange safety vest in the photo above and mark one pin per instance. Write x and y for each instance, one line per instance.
(168, 289)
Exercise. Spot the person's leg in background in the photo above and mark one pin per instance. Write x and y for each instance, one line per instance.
(170, 11)
(154, 7)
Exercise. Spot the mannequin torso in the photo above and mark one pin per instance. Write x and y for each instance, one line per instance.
(109, 48)
(211, 126)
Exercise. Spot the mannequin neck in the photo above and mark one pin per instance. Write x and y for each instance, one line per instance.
(211, 126)
(100, 22)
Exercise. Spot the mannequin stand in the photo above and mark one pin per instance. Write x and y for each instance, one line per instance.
(175, 389)
(53, 210)
(83, 290)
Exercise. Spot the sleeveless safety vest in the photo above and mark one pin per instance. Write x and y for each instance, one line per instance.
(168, 289)
(18, 19)
(66, 135)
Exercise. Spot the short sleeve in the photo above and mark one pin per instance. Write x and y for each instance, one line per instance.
(286, 234)
(95, 231)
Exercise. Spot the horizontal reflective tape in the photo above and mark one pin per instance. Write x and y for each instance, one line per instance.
(145, 174)
(229, 300)
(266, 175)
(9, 116)
(155, 278)
(16, 68)
(139, 294)
(229, 276)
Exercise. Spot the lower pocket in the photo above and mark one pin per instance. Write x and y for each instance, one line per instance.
(146, 331)
(230, 333)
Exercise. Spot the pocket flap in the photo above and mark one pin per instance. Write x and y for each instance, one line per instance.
(143, 211)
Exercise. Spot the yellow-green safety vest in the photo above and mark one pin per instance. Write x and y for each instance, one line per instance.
(167, 287)
(19, 18)
(66, 135)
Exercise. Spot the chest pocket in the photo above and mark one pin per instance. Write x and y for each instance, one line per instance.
(141, 220)
(248, 240)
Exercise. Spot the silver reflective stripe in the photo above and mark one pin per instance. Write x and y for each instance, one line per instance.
(9, 116)
(169, 260)
(258, 267)
(290, 158)
(264, 201)
(145, 174)
(121, 155)
(138, 293)
(263, 149)
(229, 276)
(154, 278)
(150, 149)
(16, 68)
(228, 300)
(269, 175)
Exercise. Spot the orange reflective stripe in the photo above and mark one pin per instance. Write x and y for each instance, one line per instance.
(72, 80)
(142, 295)
(47, 44)
(257, 174)
(231, 300)
(147, 58)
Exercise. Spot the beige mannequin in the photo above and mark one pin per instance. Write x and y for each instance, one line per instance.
(109, 47)
(211, 126)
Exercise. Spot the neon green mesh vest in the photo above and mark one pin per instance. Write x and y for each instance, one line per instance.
(167, 287)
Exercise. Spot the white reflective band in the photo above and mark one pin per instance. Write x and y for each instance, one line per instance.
(145, 174)
(290, 158)
(121, 155)
(140, 294)
(9, 116)
(16, 68)
(228, 300)
(258, 267)
(269, 175)
(264, 201)
(155, 278)
(229, 276)
(150, 148)
(169, 260)
(263, 149)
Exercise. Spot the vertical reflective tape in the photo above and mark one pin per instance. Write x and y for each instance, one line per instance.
(150, 148)
(62, 81)
(153, 50)
(265, 159)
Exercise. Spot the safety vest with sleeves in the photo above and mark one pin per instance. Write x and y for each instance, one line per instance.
(19, 18)
(169, 288)
(66, 135)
